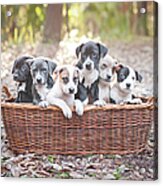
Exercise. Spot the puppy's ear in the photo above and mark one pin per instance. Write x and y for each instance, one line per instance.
(30, 61)
(117, 67)
(50, 81)
(13, 68)
(138, 76)
(78, 50)
(102, 49)
(79, 65)
(79, 73)
(57, 71)
(51, 65)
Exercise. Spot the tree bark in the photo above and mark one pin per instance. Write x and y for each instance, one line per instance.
(142, 25)
(53, 23)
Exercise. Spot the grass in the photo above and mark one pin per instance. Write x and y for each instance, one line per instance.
(64, 175)
(51, 158)
(117, 174)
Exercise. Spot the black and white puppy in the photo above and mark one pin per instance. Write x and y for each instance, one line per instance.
(90, 55)
(41, 71)
(21, 74)
(122, 90)
(107, 78)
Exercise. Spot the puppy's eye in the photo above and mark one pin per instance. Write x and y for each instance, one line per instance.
(104, 66)
(83, 56)
(94, 55)
(65, 80)
(133, 78)
(43, 69)
(75, 79)
(23, 68)
(34, 70)
(122, 76)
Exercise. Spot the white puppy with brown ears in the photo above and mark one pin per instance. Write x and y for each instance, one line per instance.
(64, 89)
(107, 77)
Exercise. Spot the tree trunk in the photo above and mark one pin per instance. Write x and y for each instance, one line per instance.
(134, 18)
(142, 26)
(53, 23)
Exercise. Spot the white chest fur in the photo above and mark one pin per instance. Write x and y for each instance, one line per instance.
(69, 100)
(104, 92)
(119, 96)
(22, 87)
(90, 77)
(42, 90)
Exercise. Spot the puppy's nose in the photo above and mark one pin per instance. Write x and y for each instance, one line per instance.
(15, 76)
(128, 85)
(71, 90)
(38, 80)
(88, 66)
(108, 77)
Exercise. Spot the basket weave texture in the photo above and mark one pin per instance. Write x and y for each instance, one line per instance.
(113, 129)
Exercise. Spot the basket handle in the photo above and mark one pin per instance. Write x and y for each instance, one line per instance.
(153, 102)
(10, 97)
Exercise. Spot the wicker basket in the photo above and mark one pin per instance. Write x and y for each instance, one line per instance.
(113, 129)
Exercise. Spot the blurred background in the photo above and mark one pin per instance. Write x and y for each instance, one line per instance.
(52, 22)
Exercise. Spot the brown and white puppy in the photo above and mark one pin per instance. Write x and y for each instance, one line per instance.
(107, 77)
(63, 91)
(122, 90)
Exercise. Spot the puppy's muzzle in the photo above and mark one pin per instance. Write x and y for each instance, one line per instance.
(71, 90)
(128, 85)
(39, 80)
(88, 66)
(15, 77)
(108, 78)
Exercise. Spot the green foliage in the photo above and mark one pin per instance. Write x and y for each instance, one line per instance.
(22, 23)
(51, 158)
(64, 175)
(117, 173)
(111, 20)
(108, 20)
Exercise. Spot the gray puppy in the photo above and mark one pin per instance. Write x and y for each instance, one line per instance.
(41, 72)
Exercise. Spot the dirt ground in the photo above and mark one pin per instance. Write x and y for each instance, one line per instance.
(139, 55)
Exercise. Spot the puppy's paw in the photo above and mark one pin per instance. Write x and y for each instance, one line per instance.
(99, 103)
(67, 112)
(79, 107)
(43, 104)
(132, 101)
(136, 101)
(123, 102)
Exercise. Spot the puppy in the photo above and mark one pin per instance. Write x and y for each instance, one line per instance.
(90, 55)
(107, 78)
(21, 74)
(121, 91)
(41, 71)
(63, 92)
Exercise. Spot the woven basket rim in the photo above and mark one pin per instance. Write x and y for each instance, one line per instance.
(148, 103)
(29, 106)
